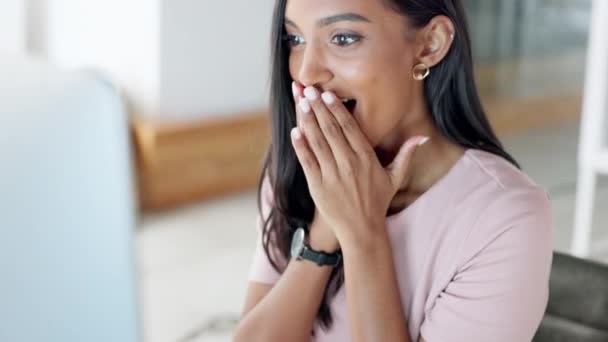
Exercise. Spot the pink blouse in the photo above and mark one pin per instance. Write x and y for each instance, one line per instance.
(472, 256)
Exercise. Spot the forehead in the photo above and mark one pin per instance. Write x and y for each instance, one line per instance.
(305, 11)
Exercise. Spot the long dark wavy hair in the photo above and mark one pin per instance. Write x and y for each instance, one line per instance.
(451, 96)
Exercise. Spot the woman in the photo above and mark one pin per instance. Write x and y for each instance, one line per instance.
(417, 225)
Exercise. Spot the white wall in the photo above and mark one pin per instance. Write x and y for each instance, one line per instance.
(121, 37)
(12, 27)
(176, 59)
(214, 56)
(36, 17)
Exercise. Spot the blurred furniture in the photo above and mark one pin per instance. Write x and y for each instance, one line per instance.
(592, 157)
(188, 161)
(67, 211)
(578, 302)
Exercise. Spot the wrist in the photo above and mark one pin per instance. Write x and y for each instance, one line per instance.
(321, 239)
(373, 241)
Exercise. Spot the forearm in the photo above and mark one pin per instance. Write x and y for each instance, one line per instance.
(373, 295)
(288, 311)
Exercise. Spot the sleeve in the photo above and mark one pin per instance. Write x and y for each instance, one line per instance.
(501, 286)
(261, 270)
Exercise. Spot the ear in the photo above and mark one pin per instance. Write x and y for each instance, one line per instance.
(434, 40)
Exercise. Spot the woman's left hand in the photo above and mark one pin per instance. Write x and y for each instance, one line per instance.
(350, 187)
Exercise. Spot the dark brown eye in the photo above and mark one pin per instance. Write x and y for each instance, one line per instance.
(292, 40)
(344, 40)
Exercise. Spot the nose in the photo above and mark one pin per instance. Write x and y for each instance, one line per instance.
(312, 69)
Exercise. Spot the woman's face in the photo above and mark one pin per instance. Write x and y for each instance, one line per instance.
(360, 50)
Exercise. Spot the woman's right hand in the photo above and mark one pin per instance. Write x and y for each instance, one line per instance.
(322, 237)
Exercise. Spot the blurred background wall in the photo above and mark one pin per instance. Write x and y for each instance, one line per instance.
(215, 57)
(12, 26)
(171, 56)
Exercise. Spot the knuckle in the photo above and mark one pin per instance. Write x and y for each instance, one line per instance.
(350, 165)
(349, 125)
(364, 162)
(331, 130)
(305, 160)
(349, 169)
(368, 155)
(318, 144)
(330, 178)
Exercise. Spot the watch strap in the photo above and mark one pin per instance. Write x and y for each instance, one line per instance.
(321, 258)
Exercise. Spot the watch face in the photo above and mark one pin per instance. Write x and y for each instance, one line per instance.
(297, 243)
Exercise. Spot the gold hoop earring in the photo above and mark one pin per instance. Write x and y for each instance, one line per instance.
(421, 71)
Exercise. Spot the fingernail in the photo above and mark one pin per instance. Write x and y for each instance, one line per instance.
(294, 89)
(296, 134)
(328, 97)
(423, 141)
(310, 93)
(304, 106)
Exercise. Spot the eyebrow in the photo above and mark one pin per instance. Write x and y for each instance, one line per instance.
(334, 19)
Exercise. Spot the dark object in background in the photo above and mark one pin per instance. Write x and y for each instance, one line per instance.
(578, 302)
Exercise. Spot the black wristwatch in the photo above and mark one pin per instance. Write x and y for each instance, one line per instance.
(301, 251)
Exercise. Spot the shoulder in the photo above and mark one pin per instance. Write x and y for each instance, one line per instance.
(504, 174)
(506, 189)
(514, 214)
(493, 192)
(497, 288)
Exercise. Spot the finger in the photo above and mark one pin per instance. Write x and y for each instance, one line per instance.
(330, 127)
(297, 90)
(398, 169)
(350, 127)
(316, 139)
(298, 95)
(307, 159)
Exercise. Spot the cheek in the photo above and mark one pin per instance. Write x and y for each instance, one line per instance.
(389, 100)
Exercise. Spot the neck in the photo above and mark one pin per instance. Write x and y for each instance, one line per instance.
(430, 161)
